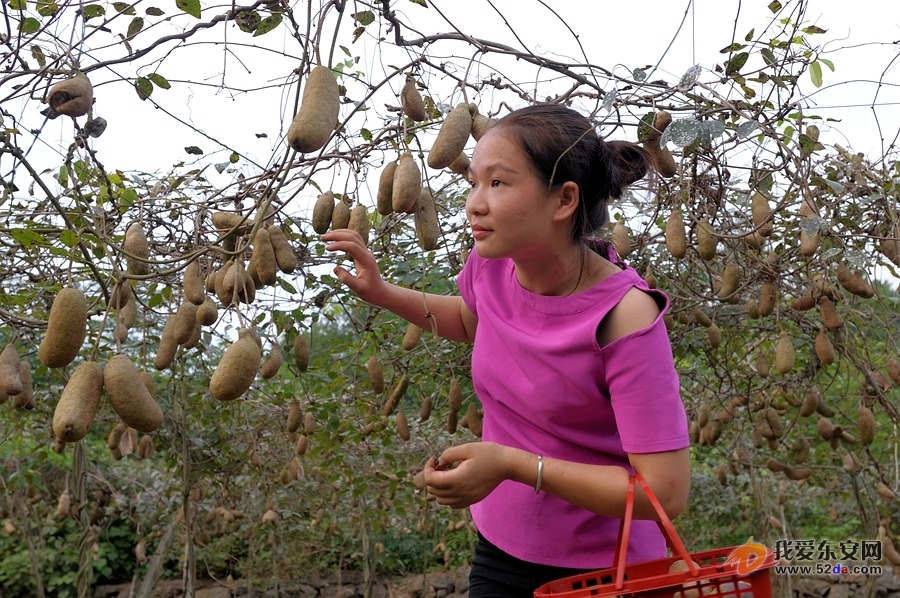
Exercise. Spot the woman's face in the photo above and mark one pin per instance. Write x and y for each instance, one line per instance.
(508, 207)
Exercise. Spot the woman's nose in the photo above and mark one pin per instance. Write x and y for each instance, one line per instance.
(474, 205)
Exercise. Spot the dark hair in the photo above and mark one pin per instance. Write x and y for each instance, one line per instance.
(562, 146)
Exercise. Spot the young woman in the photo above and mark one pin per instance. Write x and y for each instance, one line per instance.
(571, 360)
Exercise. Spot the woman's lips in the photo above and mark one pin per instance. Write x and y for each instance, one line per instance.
(479, 232)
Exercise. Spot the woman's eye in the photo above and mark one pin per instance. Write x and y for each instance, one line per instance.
(495, 183)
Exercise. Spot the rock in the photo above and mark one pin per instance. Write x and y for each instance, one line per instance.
(461, 579)
(441, 581)
(213, 592)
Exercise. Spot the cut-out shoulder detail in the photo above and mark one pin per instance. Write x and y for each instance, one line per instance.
(636, 310)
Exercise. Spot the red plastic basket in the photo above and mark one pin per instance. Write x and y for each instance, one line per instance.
(708, 573)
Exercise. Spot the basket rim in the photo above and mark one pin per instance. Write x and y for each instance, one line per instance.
(713, 570)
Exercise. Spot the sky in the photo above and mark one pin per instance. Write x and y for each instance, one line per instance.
(670, 36)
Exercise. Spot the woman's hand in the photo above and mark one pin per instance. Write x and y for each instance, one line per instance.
(367, 283)
(480, 467)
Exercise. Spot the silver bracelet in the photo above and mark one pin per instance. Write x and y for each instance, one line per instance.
(540, 474)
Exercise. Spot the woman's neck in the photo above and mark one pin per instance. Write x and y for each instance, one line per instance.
(568, 271)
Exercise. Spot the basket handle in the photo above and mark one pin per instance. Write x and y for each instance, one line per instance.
(665, 526)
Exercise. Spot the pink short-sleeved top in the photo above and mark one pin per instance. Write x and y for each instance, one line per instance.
(547, 387)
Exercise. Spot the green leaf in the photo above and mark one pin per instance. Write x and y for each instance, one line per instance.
(247, 21)
(124, 7)
(749, 36)
(27, 238)
(47, 9)
(68, 238)
(17, 4)
(38, 55)
(234, 158)
(815, 73)
(134, 27)
(29, 25)
(267, 25)
(827, 63)
(114, 178)
(366, 134)
(768, 56)
(732, 48)
(366, 17)
(143, 87)
(127, 196)
(92, 11)
(775, 6)
(191, 7)
(736, 63)
(154, 12)
(419, 2)
(159, 81)
(63, 177)
(193, 150)
(812, 30)
(358, 32)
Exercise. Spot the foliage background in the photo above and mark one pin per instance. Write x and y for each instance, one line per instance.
(198, 97)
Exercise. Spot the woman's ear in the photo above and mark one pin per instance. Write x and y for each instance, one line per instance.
(567, 198)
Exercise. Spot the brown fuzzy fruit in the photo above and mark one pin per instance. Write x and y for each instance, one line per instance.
(884, 492)
(810, 403)
(226, 221)
(825, 429)
(146, 448)
(340, 215)
(699, 316)
(301, 352)
(767, 295)
(301, 446)
(454, 396)
(676, 242)
(25, 399)
(208, 313)
(72, 97)
(407, 184)
(893, 369)
(784, 353)
(853, 283)
(319, 110)
(10, 380)
(66, 329)
(798, 473)
(829, 315)
(359, 222)
(237, 368)
(137, 250)
(128, 314)
(452, 421)
(185, 320)
(263, 257)
(824, 348)
(129, 397)
(78, 403)
(121, 294)
(662, 157)
(402, 425)
(273, 362)
(284, 253)
(384, 202)
(294, 417)
(473, 419)
(411, 101)
(730, 281)
(427, 407)
(481, 124)
(322, 211)
(376, 374)
(804, 302)
(451, 138)
(428, 228)
(761, 214)
(865, 421)
(192, 284)
(621, 239)
(706, 240)
(412, 337)
(460, 165)
(714, 336)
(309, 424)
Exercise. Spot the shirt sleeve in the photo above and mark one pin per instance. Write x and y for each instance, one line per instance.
(465, 281)
(644, 391)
